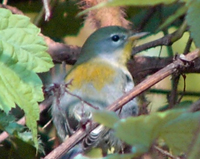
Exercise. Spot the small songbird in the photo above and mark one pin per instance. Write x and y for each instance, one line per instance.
(99, 77)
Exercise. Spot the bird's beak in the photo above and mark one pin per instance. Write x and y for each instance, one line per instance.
(137, 36)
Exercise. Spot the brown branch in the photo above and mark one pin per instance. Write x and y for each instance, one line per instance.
(158, 76)
(147, 83)
(141, 66)
(14, 10)
(61, 52)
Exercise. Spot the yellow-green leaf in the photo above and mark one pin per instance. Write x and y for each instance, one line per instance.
(193, 20)
(106, 118)
(179, 132)
(22, 55)
(177, 127)
(181, 11)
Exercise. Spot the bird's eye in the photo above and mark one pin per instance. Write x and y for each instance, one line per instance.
(115, 38)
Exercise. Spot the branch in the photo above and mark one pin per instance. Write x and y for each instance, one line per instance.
(165, 153)
(14, 10)
(166, 40)
(61, 52)
(147, 83)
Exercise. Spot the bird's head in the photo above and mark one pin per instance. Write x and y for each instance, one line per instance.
(112, 43)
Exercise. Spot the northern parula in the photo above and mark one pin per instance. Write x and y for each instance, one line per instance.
(99, 77)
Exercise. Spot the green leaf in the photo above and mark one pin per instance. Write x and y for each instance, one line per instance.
(106, 118)
(178, 133)
(194, 152)
(18, 149)
(181, 11)
(181, 105)
(5, 121)
(22, 55)
(8, 124)
(193, 20)
(176, 127)
(20, 42)
(23, 93)
(143, 130)
(112, 3)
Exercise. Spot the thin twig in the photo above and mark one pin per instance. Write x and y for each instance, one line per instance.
(188, 45)
(165, 153)
(166, 40)
(81, 100)
(184, 88)
(173, 93)
(47, 124)
(47, 10)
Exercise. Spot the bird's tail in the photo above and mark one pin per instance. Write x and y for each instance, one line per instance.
(94, 137)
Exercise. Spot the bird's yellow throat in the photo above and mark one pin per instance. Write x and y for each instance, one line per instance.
(127, 51)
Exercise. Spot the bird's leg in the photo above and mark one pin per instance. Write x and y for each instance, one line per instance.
(86, 124)
(85, 118)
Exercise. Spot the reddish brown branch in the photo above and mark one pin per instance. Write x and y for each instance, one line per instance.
(14, 10)
(61, 52)
(150, 81)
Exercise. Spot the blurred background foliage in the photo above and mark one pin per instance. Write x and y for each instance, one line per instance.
(65, 27)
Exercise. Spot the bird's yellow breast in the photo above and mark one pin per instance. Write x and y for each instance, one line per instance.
(95, 73)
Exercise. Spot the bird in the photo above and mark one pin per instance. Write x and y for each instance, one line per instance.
(99, 77)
